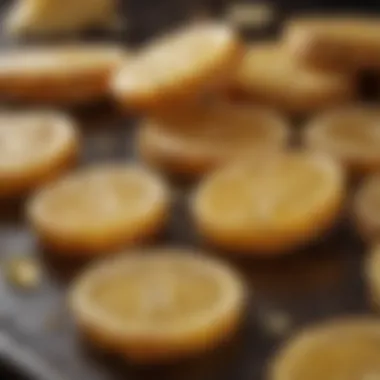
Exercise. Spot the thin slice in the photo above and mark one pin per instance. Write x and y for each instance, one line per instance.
(346, 348)
(35, 147)
(158, 305)
(268, 74)
(99, 209)
(269, 204)
(178, 67)
(193, 145)
(350, 134)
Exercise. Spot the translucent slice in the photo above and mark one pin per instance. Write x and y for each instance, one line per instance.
(158, 305)
(350, 134)
(347, 349)
(35, 147)
(99, 209)
(193, 145)
(268, 74)
(269, 204)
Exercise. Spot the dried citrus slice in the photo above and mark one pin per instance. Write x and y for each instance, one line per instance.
(99, 209)
(200, 142)
(69, 73)
(345, 42)
(367, 208)
(340, 349)
(270, 204)
(269, 74)
(177, 67)
(372, 275)
(35, 147)
(350, 134)
(158, 305)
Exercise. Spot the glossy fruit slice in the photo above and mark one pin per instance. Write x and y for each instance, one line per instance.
(178, 67)
(350, 134)
(269, 204)
(341, 349)
(158, 305)
(269, 75)
(35, 147)
(99, 209)
(193, 145)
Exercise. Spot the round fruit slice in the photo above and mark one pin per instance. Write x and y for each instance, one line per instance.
(196, 144)
(367, 208)
(372, 275)
(63, 74)
(268, 74)
(35, 147)
(178, 67)
(269, 204)
(345, 42)
(99, 209)
(351, 135)
(159, 305)
(341, 349)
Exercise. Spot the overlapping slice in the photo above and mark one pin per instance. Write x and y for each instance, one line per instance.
(346, 348)
(99, 209)
(269, 74)
(269, 204)
(194, 144)
(372, 275)
(158, 305)
(35, 147)
(178, 67)
(67, 74)
(350, 134)
(343, 42)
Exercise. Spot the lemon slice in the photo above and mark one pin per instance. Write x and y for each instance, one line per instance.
(350, 134)
(35, 147)
(99, 209)
(158, 305)
(177, 67)
(69, 73)
(345, 42)
(341, 349)
(198, 143)
(52, 17)
(372, 275)
(268, 74)
(366, 208)
(269, 204)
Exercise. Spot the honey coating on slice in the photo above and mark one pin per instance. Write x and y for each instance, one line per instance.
(68, 73)
(335, 43)
(158, 305)
(193, 145)
(269, 75)
(35, 148)
(177, 68)
(346, 348)
(269, 204)
(99, 210)
(351, 135)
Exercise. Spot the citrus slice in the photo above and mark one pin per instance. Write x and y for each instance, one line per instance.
(35, 147)
(177, 67)
(341, 349)
(268, 74)
(159, 305)
(367, 208)
(350, 134)
(99, 209)
(345, 42)
(200, 142)
(270, 204)
(372, 275)
(69, 73)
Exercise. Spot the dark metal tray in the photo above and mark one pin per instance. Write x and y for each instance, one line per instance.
(322, 281)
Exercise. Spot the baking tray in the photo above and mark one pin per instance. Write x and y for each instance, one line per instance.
(38, 339)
